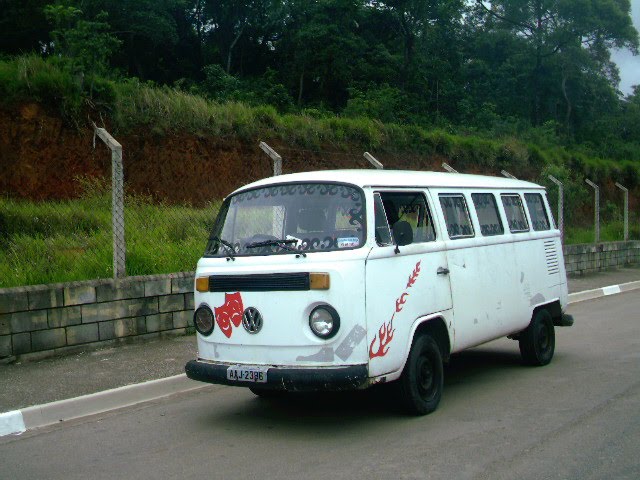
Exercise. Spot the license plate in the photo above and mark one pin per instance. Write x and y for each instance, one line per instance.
(247, 374)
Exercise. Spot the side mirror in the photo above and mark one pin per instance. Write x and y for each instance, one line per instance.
(402, 233)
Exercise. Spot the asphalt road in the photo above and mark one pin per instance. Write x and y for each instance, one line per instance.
(576, 418)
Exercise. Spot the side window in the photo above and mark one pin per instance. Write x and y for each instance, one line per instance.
(488, 216)
(515, 213)
(456, 214)
(406, 216)
(537, 211)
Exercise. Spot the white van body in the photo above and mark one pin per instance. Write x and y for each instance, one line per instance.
(461, 259)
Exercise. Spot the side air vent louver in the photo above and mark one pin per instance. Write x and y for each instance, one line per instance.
(265, 282)
(551, 254)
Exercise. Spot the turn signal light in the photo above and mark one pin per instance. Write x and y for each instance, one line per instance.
(319, 281)
(202, 284)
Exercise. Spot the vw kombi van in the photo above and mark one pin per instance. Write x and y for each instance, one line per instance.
(337, 280)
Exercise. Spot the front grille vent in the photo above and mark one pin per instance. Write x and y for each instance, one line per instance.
(551, 254)
(263, 282)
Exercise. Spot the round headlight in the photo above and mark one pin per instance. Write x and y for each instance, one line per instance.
(203, 320)
(324, 321)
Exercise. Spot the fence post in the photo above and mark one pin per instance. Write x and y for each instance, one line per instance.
(560, 205)
(373, 161)
(626, 210)
(277, 159)
(449, 168)
(117, 201)
(504, 173)
(597, 208)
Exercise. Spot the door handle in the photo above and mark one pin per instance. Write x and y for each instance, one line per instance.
(442, 271)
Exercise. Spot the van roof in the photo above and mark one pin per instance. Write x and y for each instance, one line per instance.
(396, 178)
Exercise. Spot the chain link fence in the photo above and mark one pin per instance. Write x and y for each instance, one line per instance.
(48, 241)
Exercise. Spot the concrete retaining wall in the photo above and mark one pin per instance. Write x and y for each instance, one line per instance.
(592, 257)
(45, 320)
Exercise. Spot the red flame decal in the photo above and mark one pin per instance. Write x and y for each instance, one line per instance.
(385, 333)
(229, 313)
(414, 275)
(401, 301)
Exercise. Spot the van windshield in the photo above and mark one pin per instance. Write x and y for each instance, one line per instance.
(285, 219)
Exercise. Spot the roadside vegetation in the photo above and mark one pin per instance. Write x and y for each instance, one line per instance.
(524, 86)
(59, 241)
(50, 242)
(129, 104)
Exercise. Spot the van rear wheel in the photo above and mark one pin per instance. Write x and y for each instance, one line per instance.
(538, 341)
(421, 381)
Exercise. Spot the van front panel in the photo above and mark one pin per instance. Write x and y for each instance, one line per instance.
(285, 336)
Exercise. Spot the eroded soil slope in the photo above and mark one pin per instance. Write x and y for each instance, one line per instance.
(42, 157)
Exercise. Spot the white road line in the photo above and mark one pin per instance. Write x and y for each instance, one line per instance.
(611, 290)
(11, 423)
(46, 414)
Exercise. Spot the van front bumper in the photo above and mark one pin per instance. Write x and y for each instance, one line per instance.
(351, 377)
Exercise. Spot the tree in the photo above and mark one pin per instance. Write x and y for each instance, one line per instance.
(563, 28)
(321, 49)
(84, 45)
(23, 26)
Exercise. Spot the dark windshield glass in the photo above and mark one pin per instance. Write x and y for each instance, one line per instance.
(285, 218)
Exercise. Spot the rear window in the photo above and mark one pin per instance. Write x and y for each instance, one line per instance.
(515, 213)
(456, 214)
(488, 216)
(537, 211)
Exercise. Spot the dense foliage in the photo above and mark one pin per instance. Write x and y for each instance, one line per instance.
(499, 67)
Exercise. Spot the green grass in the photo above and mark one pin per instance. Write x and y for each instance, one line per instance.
(48, 242)
(609, 232)
(130, 105)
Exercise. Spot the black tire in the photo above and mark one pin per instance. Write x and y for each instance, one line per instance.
(538, 341)
(422, 379)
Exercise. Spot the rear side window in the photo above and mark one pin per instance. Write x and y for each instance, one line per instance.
(488, 216)
(456, 214)
(515, 213)
(537, 211)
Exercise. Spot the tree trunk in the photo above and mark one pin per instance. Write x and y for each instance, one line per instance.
(567, 115)
(233, 44)
(537, 73)
(300, 86)
(408, 42)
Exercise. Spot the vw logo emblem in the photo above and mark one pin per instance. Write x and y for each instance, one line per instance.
(252, 320)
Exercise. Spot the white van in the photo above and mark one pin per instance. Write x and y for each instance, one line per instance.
(336, 280)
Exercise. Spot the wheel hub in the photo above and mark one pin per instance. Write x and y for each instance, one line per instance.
(425, 376)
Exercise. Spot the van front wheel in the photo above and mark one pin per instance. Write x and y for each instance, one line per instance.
(421, 381)
(538, 341)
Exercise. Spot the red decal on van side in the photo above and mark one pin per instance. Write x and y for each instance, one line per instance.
(229, 313)
(385, 333)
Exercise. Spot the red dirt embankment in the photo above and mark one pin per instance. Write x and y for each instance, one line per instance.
(41, 157)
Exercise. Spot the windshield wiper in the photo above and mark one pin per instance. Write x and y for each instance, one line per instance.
(284, 243)
(227, 246)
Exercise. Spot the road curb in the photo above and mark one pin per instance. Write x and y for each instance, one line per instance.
(603, 292)
(19, 421)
